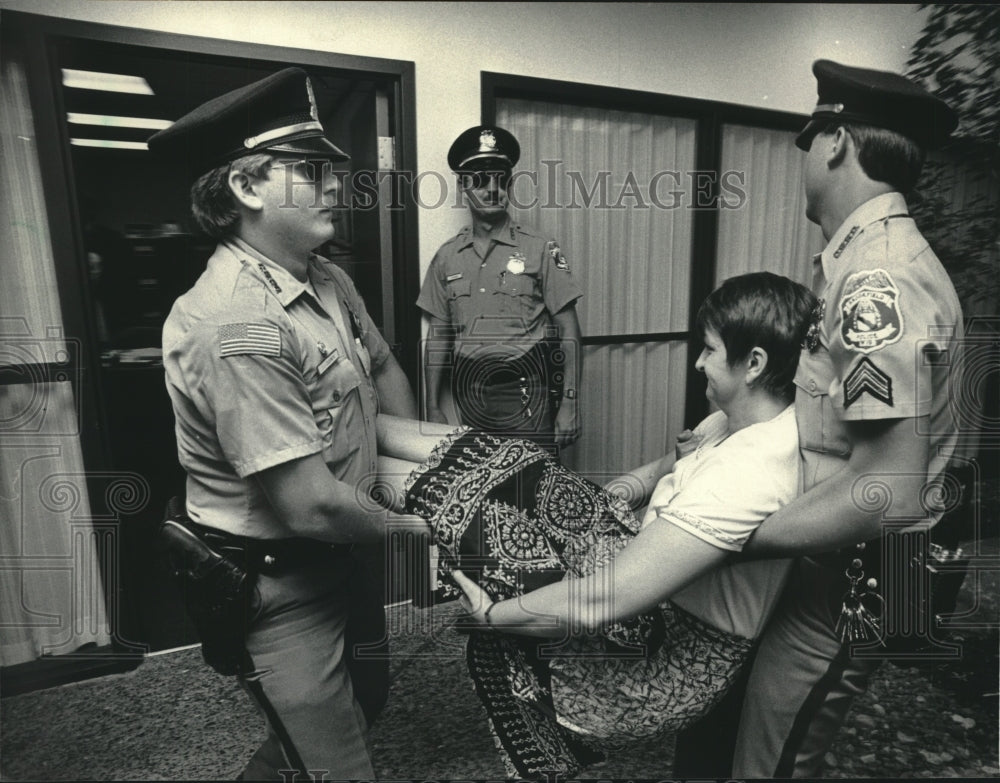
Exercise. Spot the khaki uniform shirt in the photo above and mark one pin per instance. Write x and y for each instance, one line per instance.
(501, 303)
(263, 369)
(888, 339)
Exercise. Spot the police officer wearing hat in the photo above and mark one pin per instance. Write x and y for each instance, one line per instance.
(276, 374)
(873, 413)
(502, 304)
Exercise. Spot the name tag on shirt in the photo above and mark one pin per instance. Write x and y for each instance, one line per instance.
(456, 276)
(333, 358)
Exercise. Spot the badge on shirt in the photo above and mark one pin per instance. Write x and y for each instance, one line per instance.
(812, 339)
(254, 339)
(870, 313)
(557, 257)
(515, 264)
(866, 377)
(451, 278)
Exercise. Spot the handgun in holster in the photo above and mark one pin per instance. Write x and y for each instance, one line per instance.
(216, 589)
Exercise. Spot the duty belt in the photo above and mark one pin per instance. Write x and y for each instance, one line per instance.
(266, 555)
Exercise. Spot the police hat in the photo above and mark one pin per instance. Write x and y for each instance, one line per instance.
(484, 147)
(275, 114)
(879, 98)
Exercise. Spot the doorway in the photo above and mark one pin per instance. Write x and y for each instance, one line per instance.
(125, 246)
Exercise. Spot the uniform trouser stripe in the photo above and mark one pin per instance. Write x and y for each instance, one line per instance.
(808, 711)
(274, 721)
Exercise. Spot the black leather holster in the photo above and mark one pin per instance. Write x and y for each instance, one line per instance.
(216, 589)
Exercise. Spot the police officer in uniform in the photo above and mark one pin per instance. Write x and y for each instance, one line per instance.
(873, 410)
(276, 374)
(502, 305)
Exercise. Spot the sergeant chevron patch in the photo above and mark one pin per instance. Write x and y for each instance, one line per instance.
(866, 377)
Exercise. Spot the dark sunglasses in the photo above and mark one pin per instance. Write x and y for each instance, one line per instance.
(478, 180)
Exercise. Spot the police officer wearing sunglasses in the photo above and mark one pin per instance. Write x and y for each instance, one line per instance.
(502, 304)
(276, 374)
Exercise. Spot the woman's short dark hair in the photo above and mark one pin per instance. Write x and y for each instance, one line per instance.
(884, 155)
(764, 310)
(212, 202)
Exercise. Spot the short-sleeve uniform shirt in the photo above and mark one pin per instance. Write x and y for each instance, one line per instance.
(721, 493)
(888, 342)
(505, 300)
(262, 369)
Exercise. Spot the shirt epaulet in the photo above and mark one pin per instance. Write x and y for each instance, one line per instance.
(527, 230)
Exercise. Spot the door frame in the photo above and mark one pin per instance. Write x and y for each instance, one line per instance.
(709, 116)
(40, 36)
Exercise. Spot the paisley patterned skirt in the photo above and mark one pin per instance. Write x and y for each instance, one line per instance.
(505, 511)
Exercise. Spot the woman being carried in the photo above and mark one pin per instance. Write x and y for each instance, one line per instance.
(647, 623)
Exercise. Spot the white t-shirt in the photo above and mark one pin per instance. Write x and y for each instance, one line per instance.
(721, 493)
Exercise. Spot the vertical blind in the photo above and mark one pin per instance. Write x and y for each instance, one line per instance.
(51, 599)
(630, 249)
(767, 230)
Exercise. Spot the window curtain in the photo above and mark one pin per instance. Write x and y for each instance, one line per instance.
(51, 596)
(768, 229)
(605, 184)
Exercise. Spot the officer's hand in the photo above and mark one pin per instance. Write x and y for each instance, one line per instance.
(567, 428)
(407, 523)
(475, 602)
(687, 442)
(434, 414)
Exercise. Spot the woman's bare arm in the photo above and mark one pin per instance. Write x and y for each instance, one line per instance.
(657, 563)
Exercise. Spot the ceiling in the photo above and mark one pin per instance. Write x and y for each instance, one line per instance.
(180, 82)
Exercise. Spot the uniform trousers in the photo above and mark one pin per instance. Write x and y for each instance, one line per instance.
(507, 397)
(299, 648)
(802, 682)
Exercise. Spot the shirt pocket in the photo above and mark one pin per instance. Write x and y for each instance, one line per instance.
(521, 296)
(459, 298)
(820, 428)
(334, 403)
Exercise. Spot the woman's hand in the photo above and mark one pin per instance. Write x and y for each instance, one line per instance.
(687, 442)
(476, 601)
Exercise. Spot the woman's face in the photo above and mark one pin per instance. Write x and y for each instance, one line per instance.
(724, 382)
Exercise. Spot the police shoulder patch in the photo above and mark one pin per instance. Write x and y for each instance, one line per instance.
(247, 338)
(869, 311)
(557, 256)
(866, 377)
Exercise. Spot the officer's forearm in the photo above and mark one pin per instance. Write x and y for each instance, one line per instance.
(309, 502)
(407, 439)
(883, 479)
(432, 380)
(394, 392)
(344, 515)
(437, 354)
(568, 324)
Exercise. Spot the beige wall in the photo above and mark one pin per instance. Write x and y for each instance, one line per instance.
(752, 54)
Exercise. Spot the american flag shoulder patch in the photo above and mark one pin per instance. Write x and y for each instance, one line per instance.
(261, 339)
